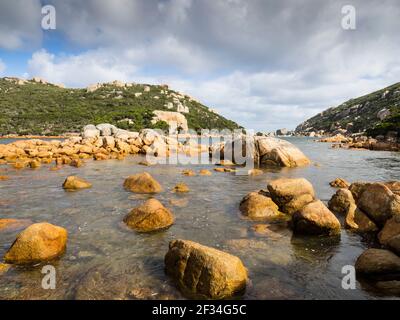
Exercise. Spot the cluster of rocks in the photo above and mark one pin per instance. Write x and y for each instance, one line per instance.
(292, 200)
(263, 151)
(99, 142)
(390, 142)
(373, 208)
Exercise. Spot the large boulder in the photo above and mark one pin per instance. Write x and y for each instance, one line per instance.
(142, 183)
(90, 131)
(315, 219)
(148, 136)
(76, 183)
(37, 243)
(150, 216)
(203, 271)
(291, 194)
(379, 203)
(378, 264)
(106, 129)
(175, 120)
(257, 206)
(263, 151)
(272, 151)
(390, 230)
(357, 188)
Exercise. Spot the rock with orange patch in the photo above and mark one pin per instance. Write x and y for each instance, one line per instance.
(205, 172)
(37, 243)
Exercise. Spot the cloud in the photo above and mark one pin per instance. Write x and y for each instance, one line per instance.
(264, 64)
(20, 24)
(2, 67)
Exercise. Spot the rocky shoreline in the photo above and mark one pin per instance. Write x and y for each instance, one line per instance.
(366, 208)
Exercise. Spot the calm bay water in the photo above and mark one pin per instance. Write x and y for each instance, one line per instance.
(104, 259)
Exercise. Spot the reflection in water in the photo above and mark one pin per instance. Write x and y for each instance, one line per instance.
(104, 259)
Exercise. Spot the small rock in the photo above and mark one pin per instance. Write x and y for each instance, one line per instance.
(150, 216)
(75, 183)
(205, 172)
(339, 183)
(179, 202)
(39, 242)
(255, 172)
(13, 224)
(4, 268)
(188, 172)
(181, 187)
(257, 206)
(142, 183)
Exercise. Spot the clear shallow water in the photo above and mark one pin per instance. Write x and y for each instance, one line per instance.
(105, 260)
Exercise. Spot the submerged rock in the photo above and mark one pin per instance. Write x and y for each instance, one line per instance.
(189, 173)
(255, 172)
(75, 183)
(203, 271)
(339, 183)
(378, 264)
(258, 207)
(142, 183)
(150, 216)
(37, 243)
(291, 195)
(181, 187)
(315, 219)
(205, 172)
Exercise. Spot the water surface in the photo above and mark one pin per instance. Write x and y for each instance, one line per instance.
(104, 259)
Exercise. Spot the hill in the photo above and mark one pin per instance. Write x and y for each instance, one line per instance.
(374, 114)
(36, 107)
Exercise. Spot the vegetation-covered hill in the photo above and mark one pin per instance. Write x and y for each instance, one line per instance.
(374, 114)
(40, 108)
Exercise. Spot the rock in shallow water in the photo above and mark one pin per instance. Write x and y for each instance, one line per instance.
(142, 183)
(378, 264)
(203, 271)
(379, 203)
(259, 207)
(315, 219)
(339, 183)
(75, 183)
(150, 216)
(39, 242)
(291, 194)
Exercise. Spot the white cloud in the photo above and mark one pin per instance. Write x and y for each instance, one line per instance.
(264, 64)
(20, 24)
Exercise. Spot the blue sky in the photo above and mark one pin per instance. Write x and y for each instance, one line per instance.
(265, 64)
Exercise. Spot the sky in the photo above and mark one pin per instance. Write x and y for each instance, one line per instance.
(266, 64)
